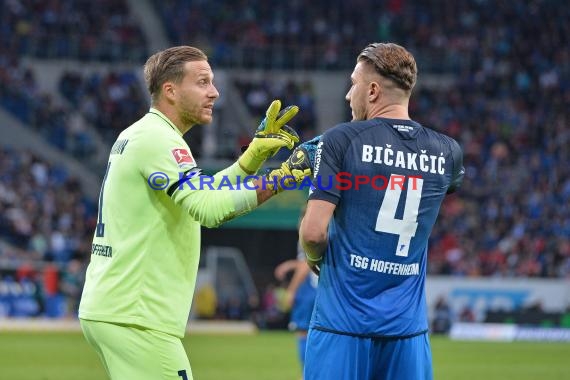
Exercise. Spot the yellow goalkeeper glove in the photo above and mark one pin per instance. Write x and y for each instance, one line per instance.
(271, 135)
(292, 171)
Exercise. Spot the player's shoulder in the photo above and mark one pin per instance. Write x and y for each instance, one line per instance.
(442, 139)
(136, 129)
(150, 132)
(149, 122)
(345, 132)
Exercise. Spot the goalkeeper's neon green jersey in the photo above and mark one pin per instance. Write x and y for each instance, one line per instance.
(146, 247)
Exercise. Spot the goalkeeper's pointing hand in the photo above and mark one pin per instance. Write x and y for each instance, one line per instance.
(271, 135)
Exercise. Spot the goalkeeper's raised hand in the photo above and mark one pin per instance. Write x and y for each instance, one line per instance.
(271, 135)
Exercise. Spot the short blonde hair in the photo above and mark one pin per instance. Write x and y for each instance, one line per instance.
(168, 65)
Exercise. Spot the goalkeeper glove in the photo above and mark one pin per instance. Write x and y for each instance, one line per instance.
(271, 135)
(275, 118)
(310, 149)
(292, 171)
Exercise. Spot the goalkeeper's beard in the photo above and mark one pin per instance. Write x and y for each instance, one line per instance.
(189, 119)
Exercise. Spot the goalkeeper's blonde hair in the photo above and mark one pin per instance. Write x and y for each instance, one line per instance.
(168, 65)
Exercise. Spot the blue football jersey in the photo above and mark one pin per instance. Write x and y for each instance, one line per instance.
(388, 179)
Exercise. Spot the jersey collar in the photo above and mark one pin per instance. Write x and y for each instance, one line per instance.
(163, 117)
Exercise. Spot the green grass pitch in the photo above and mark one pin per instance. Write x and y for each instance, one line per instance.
(272, 356)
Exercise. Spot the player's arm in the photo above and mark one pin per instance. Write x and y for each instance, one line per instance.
(458, 169)
(285, 267)
(300, 272)
(314, 230)
(212, 206)
(208, 203)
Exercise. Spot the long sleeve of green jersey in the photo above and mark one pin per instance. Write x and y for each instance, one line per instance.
(209, 205)
(234, 173)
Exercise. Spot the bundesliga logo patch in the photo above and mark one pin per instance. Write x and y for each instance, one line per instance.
(183, 157)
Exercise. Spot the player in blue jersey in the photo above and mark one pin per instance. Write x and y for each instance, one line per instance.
(367, 231)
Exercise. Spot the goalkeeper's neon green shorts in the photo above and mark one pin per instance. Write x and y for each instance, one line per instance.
(132, 352)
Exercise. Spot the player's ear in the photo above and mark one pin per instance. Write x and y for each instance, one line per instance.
(374, 91)
(169, 91)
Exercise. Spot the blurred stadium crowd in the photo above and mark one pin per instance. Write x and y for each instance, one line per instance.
(508, 104)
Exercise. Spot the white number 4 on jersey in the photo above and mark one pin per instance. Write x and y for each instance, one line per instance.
(406, 227)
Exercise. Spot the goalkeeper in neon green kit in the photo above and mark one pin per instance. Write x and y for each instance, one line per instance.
(146, 247)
